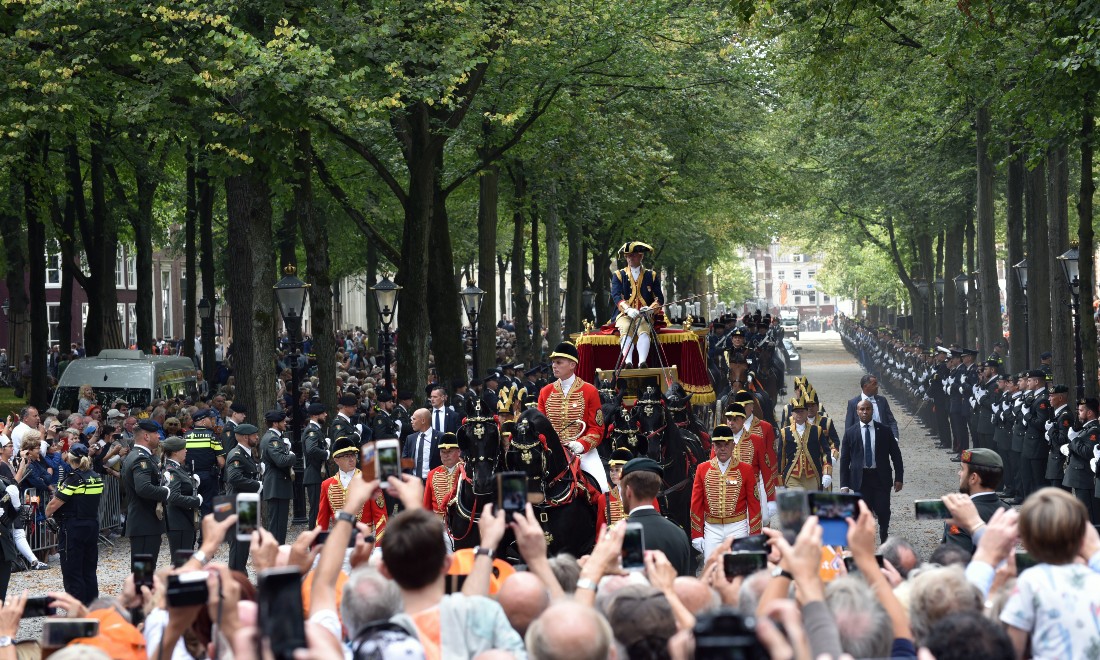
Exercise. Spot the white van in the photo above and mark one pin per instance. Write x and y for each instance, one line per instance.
(133, 376)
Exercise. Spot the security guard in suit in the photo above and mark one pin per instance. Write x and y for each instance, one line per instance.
(237, 413)
(76, 509)
(242, 475)
(316, 447)
(278, 479)
(145, 494)
(1057, 434)
(632, 289)
(184, 499)
(206, 456)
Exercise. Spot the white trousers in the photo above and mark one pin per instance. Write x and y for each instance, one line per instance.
(591, 463)
(714, 534)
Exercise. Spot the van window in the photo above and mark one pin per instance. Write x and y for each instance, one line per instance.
(68, 398)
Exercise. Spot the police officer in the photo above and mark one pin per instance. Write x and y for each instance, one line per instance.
(206, 456)
(316, 448)
(76, 509)
(242, 475)
(184, 499)
(237, 413)
(278, 473)
(145, 496)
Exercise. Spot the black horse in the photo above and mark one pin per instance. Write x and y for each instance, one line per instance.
(567, 511)
(678, 402)
(621, 427)
(678, 453)
(479, 440)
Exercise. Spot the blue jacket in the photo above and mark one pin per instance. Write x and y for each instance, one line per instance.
(649, 288)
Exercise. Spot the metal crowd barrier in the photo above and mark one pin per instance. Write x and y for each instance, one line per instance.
(41, 537)
(39, 534)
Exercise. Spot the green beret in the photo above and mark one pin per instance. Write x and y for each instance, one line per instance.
(173, 443)
(246, 429)
(982, 458)
(642, 464)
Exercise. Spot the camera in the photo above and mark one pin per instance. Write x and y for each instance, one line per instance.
(726, 635)
(185, 589)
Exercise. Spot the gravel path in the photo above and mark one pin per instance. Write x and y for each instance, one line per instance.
(929, 473)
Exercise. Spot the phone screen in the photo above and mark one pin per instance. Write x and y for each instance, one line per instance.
(142, 568)
(512, 492)
(754, 543)
(59, 632)
(633, 556)
(930, 510)
(367, 466)
(281, 615)
(248, 516)
(744, 562)
(834, 506)
(793, 511)
(38, 606)
(389, 463)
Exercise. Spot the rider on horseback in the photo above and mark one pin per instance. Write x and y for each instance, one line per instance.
(635, 290)
(573, 408)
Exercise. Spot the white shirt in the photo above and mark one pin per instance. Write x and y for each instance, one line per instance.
(345, 478)
(439, 419)
(861, 432)
(566, 384)
(640, 507)
(724, 466)
(801, 428)
(424, 440)
(636, 272)
(874, 406)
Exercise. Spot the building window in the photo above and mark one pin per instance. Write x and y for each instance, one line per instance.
(131, 317)
(810, 274)
(120, 312)
(120, 268)
(812, 298)
(131, 270)
(782, 274)
(53, 315)
(166, 303)
(83, 318)
(824, 297)
(53, 264)
(797, 299)
(797, 274)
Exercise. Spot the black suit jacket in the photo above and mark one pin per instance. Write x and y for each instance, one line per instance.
(451, 420)
(409, 451)
(659, 533)
(986, 504)
(885, 414)
(887, 457)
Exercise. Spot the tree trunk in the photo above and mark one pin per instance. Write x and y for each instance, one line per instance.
(33, 196)
(1061, 323)
(953, 319)
(1038, 285)
(205, 188)
(250, 281)
(315, 241)
(973, 331)
(101, 244)
(553, 269)
(190, 252)
(1085, 238)
(519, 250)
(487, 219)
(1016, 301)
(574, 281)
(446, 316)
(373, 325)
(602, 263)
(74, 205)
(535, 354)
(990, 311)
(12, 233)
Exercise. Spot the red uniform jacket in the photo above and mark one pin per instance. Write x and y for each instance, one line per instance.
(722, 499)
(332, 500)
(582, 402)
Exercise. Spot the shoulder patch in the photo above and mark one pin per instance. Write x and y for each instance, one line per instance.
(599, 418)
(142, 465)
(236, 463)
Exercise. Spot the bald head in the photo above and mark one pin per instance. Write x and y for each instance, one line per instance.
(523, 598)
(421, 419)
(568, 630)
(695, 595)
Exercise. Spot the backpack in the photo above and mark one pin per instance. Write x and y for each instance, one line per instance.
(386, 640)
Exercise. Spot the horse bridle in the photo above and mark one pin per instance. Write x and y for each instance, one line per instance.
(478, 424)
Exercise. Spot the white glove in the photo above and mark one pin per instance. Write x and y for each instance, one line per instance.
(973, 403)
(951, 380)
(263, 467)
(771, 510)
(359, 429)
(1092, 465)
(1049, 425)
(826, 481)
(1096, 451)
(1026, 409)
(1072, 434)
(631, 312)
(196, 479)
(576, 447)
(697, 544)
(200, 498)
(328, 442)
(328, 454)
(1064, 449)
(996, 407)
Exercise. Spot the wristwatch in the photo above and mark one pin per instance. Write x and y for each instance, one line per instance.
(488, 552)
(346, 517)
(779, 572)
(200, 557)
(585, 583)
(5, 641)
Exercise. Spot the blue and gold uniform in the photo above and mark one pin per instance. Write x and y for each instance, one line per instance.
(633, 288)
(78, 516)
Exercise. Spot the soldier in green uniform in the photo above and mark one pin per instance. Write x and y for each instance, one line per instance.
(1037, 412)
(242, 475)
(986, 395)
(1057, 434)
(184, 498)
(278, 473)
(206, 457)
(347, 406)
(402, 414)
(76, 509)
(145, 496)
(237, 413)
(385, 425)
(316, 448)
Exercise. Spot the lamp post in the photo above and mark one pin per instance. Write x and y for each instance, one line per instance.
(1021, 276)
(290, 292)
(922, 290)
(962, 286)
(206, 321)
(385, 298)
(939, 284)
(588, 299)
(1069, 260)
(471, 302)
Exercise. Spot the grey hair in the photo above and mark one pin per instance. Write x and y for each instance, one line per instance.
(748, 596)
(891, 550)
(566, 570)
(367, 597)
(865, 628)
(939, 593)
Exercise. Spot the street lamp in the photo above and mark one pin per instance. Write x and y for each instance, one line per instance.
(1021, 276)
(206, 318)
(588, 299)
(471, 302)
(939, 284)
(290, 293)
(561, 304)
(1070, 266)
(385, 298)
(962, 286)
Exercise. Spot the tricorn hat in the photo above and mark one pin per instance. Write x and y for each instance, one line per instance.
(635, 246)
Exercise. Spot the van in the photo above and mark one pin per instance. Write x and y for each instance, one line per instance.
(132, 376)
